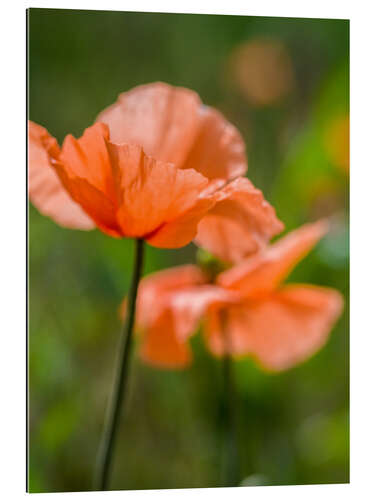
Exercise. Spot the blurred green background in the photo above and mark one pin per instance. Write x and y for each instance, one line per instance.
(284, 83)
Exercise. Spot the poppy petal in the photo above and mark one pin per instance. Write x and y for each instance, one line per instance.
(172, 318)
(218, 150)
(154, 193)
(240, 223)
(46, 191)
(170, 305)
(88, 158)
(188, 306)
(281, 331)
(265, 271)
(155, 288)
(172, 125)
(161, 118)
(161, 347)
(93, 202)
(183, 229)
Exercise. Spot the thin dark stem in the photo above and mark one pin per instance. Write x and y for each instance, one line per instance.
(110, 432)
(230, 458)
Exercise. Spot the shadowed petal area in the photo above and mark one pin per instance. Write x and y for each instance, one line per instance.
(84, 168)
(161, 347)
(87, 158)
(161, 118)
(93, 202)
(218, 150)
(189, 304)
(240, 223)
(183, 229)
(281, 331)
(46, 191)
(265, 271)
(153, 193)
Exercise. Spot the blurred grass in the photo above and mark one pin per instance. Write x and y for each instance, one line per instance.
(293, 427)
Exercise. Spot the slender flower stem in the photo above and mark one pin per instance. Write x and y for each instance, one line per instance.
(230, 458)
(110, 432)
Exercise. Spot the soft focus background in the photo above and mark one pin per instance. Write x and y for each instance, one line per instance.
(284, 83)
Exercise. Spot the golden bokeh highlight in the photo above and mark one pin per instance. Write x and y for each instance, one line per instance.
(337, 142)
(263, 71)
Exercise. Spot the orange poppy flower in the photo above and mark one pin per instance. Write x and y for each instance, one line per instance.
(153, 166)
(246, 312)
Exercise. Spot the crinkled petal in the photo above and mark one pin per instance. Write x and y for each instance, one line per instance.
(88, 159)
(159, 117)
(153, 193)
(93, 202)
(183, 229)
(240, 223)
(218, 150)
(172, 125)
(262, 273)
(280, 331)
(46, 191)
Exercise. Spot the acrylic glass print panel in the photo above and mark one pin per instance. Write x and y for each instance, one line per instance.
(188, 251)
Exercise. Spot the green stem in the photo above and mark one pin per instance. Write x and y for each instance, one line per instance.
(230, 458)
(111, 426)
